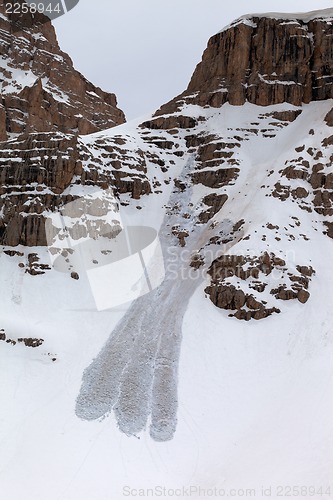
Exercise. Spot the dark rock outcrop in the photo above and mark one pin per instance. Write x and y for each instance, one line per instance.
(28, 342)
(36, 170)
(265, 61)
(254, 271)
(39, 87)
(45, 104)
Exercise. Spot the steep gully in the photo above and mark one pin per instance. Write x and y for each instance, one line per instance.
(136, 372)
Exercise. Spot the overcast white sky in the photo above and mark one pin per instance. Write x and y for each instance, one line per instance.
(145, 51)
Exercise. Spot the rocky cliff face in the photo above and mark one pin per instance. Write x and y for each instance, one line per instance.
(265, 61)
(45, 103)
(277, 62)
(40, 89)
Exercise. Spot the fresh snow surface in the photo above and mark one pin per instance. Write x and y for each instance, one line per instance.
(255, 400)
(306, 17)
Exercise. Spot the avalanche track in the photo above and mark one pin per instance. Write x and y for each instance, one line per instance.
(136, 372)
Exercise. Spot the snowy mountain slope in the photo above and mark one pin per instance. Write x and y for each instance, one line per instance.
(253, 396)
(324, 14)
(221, 377)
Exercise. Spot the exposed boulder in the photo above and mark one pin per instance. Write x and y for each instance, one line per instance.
(256, 273)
